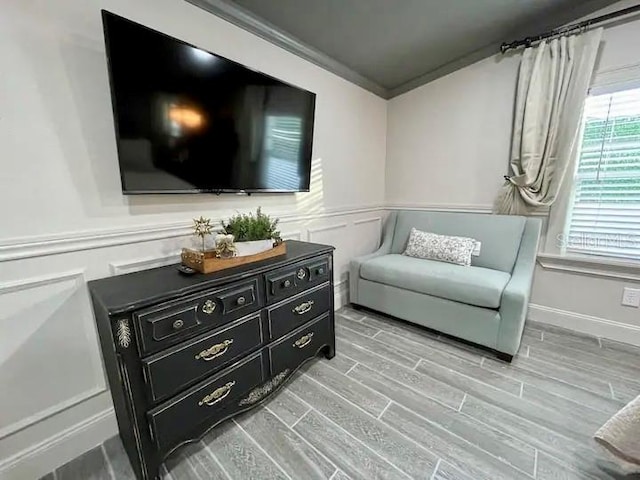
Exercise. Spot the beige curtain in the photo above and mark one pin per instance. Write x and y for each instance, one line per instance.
(552, 85)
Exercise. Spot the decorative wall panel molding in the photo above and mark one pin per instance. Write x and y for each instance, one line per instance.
(38, 246)
(40, 458)
(294, 235)
(338, 236)
(370, 231)
(74, 242)
(368, 220)
(40, 281)
(313, 231)
(118, 268)
(34, 303)
(49, 412)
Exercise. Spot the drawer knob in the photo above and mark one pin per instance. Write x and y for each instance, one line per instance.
(178, 324)
(209, 307)
(321, 271)
(303, 341)
(287, 283)
(301, 273)
(214, 351)
(241, 301)
(303, 308)
(217, 395)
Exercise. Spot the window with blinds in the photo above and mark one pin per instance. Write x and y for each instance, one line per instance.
(604, 218)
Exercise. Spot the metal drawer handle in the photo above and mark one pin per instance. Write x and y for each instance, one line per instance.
(303, 308)
(301, 273)
(241, 301)
(303, 341)
(209, 307)
(178, 324)
(217, 395)
(214, 351)
(287, 283)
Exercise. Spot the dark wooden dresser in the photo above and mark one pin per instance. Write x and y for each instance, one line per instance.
(184, 353)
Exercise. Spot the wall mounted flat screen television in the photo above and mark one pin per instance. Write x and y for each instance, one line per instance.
(187, 120)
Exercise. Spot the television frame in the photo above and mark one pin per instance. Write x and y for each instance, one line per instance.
(105, 14)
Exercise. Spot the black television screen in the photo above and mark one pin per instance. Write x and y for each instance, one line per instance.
(190, 121)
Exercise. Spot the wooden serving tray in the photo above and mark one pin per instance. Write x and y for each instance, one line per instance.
(208, 262)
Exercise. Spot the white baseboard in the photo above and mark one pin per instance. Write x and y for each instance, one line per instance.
(579, 322)
(42, 458)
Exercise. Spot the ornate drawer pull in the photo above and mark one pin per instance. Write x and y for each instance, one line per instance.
(217, 395)
(303, 341)
(241, 301)
(287, 283)
(209, 307)
(178, 324)
(214, 351)
(301, 273)
(303, 308)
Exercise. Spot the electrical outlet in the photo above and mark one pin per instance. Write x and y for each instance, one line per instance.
(631, 297)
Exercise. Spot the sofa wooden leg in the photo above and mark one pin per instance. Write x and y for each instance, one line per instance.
(505, 357)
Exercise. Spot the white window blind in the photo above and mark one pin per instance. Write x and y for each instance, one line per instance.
(604, 218)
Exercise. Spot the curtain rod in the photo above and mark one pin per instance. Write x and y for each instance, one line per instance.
(585, 25)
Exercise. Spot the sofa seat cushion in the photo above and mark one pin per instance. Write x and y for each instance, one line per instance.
(471, 285)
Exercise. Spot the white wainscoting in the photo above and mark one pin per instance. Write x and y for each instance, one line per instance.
(370, 230)
(119, 268)
(44, 245)
(294, 235)
(337, 236)
(52, 350)
(45, 336)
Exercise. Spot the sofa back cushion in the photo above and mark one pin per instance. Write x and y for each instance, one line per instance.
(500, 235)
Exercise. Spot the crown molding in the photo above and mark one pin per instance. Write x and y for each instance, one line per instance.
(250, 22)
(255, 24)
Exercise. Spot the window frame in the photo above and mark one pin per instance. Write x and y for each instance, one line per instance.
(556, 225)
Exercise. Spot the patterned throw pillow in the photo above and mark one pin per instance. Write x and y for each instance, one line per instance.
(442, 248)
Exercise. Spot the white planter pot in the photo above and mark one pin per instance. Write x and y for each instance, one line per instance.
(251, 248)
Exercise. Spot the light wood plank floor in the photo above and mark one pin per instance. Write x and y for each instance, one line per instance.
(399, 401)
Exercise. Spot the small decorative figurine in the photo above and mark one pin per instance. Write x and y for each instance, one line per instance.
(225, 247)
(202, 227)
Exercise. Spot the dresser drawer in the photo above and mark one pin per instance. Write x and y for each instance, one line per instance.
(172, 322)
(168, 371)
(290, 280)
(289, 315)
(209, 401)
(300, 345)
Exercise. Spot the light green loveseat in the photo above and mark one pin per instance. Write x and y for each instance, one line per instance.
(485, 303)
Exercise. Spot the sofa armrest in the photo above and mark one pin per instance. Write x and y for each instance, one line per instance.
(515, 297)
(356, 263)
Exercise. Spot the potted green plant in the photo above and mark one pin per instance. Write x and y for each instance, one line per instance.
(252, 233)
